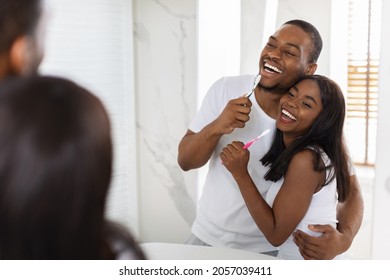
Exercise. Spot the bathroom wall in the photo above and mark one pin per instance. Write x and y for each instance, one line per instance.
(165, 51)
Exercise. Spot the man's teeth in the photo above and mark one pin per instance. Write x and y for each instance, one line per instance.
(288, 114)
(274, 68)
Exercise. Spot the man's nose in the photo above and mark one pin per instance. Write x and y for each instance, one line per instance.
(274, 54)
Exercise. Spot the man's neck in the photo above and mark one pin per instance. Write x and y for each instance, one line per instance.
(268, 101)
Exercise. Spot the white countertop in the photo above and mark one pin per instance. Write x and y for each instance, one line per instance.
(173, 251)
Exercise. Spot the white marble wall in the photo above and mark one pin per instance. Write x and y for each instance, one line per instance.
(165, 86)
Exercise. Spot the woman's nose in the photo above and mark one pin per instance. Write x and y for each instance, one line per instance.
(292, 104)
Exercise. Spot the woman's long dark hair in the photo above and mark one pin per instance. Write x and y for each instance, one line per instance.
(55, 171)
(326, 134)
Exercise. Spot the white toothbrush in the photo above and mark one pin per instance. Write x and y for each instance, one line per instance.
(255, 82)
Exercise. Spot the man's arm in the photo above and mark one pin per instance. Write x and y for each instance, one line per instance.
(195, 149)
(350, 214)
(335, 241)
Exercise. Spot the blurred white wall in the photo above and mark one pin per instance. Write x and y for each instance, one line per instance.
(381, 202)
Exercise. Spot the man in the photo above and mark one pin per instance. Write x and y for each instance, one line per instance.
(227, 115)
(22, 36)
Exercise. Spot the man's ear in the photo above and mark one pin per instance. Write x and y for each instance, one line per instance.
(311, 69)
(19, 55)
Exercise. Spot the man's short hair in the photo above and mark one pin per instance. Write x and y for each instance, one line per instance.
(314, 35)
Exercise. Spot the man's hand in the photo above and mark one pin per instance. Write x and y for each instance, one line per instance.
(235, 115)
(325, 247)
(195, 149)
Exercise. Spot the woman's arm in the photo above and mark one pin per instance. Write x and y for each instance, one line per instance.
(333, 241)
(292, 201)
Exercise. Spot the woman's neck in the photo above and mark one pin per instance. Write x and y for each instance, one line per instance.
(288, 139)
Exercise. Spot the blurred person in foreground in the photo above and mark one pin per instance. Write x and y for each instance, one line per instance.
(55, 171)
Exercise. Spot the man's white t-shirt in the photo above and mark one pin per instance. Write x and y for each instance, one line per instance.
(222, 216)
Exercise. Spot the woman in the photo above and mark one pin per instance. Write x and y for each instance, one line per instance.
(55, 171)
(308, 164)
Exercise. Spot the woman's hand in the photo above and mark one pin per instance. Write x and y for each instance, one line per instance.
(235, 158)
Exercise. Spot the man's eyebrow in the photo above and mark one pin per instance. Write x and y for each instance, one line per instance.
(272, 37)
(294, 46)
(290, 44)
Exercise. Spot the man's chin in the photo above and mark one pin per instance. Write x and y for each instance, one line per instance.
(273, 88)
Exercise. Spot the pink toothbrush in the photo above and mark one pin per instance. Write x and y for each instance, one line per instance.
(247, 145)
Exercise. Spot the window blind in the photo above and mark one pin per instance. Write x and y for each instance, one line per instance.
(90, 41)
(363, 67)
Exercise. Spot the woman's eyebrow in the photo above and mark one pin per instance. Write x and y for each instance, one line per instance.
(306, 96)
(311, 98)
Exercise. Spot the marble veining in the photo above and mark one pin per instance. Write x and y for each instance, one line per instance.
(141, 33)
(182, 57)
(181, 40)
(172, 177)
(165, 75)
(174, 14)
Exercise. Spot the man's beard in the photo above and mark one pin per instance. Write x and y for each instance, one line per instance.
(279, 88)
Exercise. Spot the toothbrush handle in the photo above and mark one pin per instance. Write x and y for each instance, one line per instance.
(249, 94)
(247, 145)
